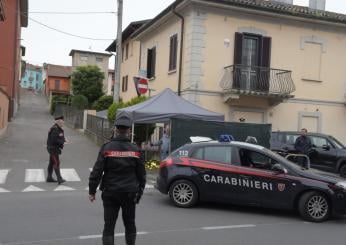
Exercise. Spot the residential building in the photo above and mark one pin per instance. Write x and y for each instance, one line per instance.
(56, 80)
(13, 16)
(130, 60)
(110, 82)
(257, 61)
(32, 78)
(83, 58)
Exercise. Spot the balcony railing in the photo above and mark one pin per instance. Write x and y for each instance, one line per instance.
(263, 81)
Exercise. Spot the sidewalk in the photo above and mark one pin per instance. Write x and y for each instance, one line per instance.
(24, 145)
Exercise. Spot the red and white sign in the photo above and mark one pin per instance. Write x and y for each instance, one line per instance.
(142, 85)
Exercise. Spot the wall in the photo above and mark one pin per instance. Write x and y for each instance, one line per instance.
(130, 68)
(160, 38)
(33, 75)
(4, 103)
(64, 84)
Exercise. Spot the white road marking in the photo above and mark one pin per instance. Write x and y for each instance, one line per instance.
(32, 188)
(3, 175)
(116, 235)
(2, 190)
(64, 188)
(34, 175)
(20, 160)
(228, 227)
(69, 174)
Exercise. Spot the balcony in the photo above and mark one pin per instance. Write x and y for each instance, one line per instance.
(240, 80)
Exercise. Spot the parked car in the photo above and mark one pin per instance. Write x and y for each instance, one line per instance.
(249, 174)
(328, 154)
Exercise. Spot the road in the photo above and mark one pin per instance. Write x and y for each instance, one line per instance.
(35, 212)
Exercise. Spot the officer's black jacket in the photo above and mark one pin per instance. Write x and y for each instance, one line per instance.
(119, 168)
(56, 139)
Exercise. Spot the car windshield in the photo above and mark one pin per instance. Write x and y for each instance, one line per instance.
(337, 143)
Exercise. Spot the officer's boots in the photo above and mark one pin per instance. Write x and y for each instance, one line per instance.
(58, 175)
(50, 173)
(130, 239)
(108, 240)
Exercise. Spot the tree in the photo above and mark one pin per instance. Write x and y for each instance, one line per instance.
(79, 102)
(140, 129)
(103, 103)
(87, 81)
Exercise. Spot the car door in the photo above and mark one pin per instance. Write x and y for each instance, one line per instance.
(324, 154)
(213, 164)
(264, 186)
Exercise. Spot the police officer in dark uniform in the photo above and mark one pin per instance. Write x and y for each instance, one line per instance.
(120, 169)
(55, 144)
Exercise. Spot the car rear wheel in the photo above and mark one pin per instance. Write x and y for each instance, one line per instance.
(343, 171)
(314, 206)
(183, 193)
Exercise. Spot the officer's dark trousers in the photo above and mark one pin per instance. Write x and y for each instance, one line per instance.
(112, 202)
(54, 163)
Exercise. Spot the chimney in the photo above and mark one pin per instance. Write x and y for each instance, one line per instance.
(284, 1)
(317, 4)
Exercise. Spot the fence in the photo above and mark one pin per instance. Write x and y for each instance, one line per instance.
(73, 117)
(100, 129)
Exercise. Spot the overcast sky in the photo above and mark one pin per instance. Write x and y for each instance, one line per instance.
(46, 45)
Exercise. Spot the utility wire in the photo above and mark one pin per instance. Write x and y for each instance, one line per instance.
(70, 34)
(53, 12)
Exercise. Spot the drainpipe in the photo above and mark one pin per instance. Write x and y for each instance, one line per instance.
(181, 46)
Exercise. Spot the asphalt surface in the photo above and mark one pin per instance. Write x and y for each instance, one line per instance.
(66, 217)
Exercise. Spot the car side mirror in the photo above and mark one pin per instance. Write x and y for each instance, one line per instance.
(326, 147)
(279, 169)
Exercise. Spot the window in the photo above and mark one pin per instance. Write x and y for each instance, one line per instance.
(99, 59)
(57, 84)
(84, 58)
(124, 83)
(319, 142)
(252, 62)
(173, 45)
(222, 154)
(254, 159)
(126, 51)
(151, 61)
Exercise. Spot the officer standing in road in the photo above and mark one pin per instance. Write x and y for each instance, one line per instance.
(120, 169)
(55, 144)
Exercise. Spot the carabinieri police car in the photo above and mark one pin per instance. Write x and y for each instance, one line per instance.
(249, 174)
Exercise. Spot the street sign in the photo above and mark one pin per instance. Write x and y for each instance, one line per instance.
(142, 86)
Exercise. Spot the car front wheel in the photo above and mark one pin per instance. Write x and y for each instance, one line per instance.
(343, 171)
(183, 193)
(314, 206)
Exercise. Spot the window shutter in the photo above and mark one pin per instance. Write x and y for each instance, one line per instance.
(238, 48)
(153, 61)
(149, 61)
(266, 51)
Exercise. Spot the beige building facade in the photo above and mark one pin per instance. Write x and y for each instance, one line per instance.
(83, 58)
(254, 61)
